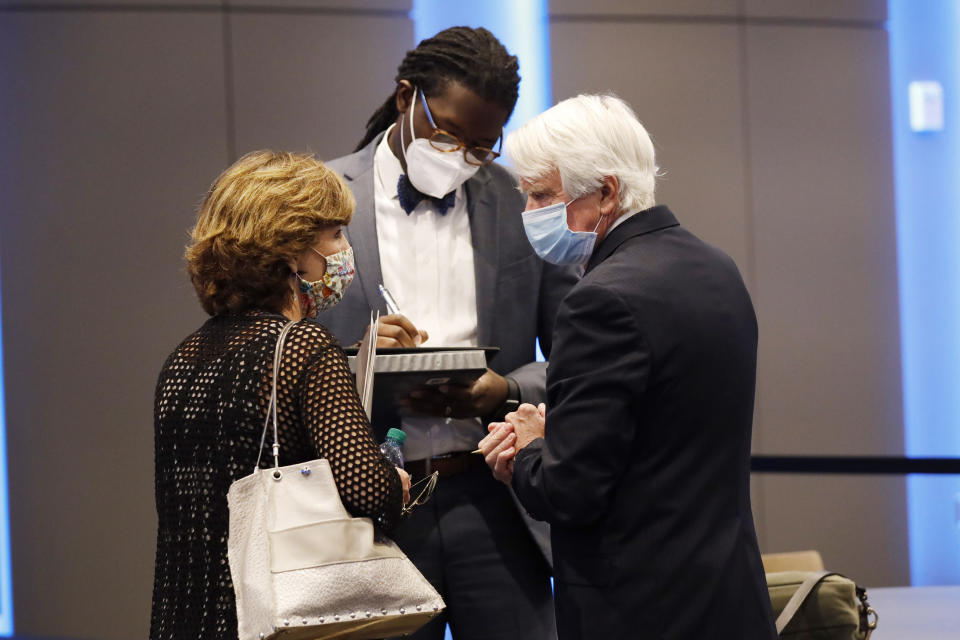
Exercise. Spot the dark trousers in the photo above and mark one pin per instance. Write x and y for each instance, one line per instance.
(472, 545)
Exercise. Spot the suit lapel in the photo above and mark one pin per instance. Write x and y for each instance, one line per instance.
(362, 230)
(484, 236)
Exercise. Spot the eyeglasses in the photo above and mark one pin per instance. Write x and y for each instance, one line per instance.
(444, 141)
(430, 483)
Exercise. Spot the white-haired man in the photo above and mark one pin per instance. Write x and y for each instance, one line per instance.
(643, 471)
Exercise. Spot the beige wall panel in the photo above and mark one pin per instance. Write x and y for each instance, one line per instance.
(125, 5)
(348, 5)
(598, 8)
(870, 10)
(311, 82)
(683, 81)
(829, 372)
(111, 127)
(858, 523)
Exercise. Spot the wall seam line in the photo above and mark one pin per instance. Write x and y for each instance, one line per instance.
(719, 20)
(229, 85)
(750, 241)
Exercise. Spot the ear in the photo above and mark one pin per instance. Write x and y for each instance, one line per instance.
(610, 195)
(403, 96)
(293, 266)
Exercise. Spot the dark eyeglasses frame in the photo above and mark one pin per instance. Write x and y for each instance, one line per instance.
(468, 151)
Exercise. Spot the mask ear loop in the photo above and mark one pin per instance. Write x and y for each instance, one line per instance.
(413, 106)
(602, 216)
(599, 220)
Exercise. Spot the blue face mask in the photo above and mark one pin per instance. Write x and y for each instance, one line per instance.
(553, 240)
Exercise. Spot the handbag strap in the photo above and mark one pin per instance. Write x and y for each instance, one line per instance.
(272, 408)
(799, 596)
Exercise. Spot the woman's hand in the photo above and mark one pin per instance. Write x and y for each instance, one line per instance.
(405, 483)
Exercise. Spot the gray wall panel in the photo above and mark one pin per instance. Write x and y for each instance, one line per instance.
(683, 82)
(111, 127)
(825, 241)
(598, 8)
(776, 145)
(309, 83)
(108, 6)
(869, 10)
(348, 5)
(847, 518)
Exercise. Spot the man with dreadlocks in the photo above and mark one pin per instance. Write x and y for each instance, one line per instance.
(438, 225)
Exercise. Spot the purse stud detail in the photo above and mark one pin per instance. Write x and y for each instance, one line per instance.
(305, 471)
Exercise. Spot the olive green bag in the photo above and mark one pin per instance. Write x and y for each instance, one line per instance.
(820, 605)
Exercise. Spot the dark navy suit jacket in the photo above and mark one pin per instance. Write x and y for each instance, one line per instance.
(644, 473)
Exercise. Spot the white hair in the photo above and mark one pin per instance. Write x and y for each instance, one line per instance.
(586, 139)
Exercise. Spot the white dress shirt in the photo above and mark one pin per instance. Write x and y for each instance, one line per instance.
(620, 220)
(427, 264)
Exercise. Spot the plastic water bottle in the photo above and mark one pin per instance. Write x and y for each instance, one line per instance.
(392, 447)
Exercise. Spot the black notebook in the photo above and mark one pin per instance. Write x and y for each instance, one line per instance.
(397, 372)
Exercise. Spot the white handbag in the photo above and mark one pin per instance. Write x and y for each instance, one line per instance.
(303, 568)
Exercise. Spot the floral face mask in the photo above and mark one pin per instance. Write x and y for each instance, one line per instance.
(325, 293)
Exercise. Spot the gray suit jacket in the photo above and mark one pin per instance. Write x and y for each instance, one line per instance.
(517, 294)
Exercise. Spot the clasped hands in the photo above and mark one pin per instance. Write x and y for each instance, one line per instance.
(505, 439)
(481, 398)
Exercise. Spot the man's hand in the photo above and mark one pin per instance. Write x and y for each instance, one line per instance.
(405, 483)
(498, 450)
(528, 423)
(396, 330)
(482, 398)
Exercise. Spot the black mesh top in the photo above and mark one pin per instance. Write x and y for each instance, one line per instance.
(211, 402)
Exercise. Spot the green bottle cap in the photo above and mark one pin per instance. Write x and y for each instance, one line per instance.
(396, 434)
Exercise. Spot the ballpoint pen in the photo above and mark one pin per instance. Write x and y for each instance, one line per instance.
(392, 306)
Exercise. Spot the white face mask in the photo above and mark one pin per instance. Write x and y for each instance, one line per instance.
(433, 172)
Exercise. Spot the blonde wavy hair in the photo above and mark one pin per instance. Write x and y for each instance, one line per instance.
(262, 212)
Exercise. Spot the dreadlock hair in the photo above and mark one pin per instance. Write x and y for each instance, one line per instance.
(472, 57)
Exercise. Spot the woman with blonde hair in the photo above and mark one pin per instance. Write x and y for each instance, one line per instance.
(268, 248)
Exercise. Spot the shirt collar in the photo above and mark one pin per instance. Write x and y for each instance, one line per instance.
(623, 218)
(387, 166)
